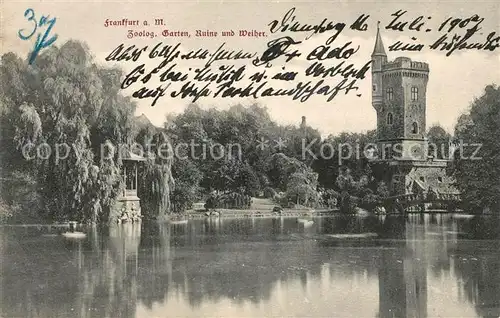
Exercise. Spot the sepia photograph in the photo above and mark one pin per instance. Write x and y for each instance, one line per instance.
(249, 158)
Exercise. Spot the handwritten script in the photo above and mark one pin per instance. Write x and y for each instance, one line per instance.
(456, 33)
(287, 66)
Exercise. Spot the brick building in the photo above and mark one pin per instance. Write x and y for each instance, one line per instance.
(399, 97)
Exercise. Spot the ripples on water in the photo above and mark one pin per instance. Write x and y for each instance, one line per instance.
(422, 266)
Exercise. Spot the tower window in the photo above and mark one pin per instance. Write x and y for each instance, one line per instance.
(389, 119)
(390, 93)
(374, 87)
(414, 93)
(414, 128)
(387, 152)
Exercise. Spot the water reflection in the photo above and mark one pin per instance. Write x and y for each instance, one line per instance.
(420, 266)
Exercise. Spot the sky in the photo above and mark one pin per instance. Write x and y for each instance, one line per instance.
(453, 84)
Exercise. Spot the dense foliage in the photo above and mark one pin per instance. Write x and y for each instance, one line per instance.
(439, 143)
(252, 162)
(222, 157)
(64, 102)
(57, 116)
(228, 201)
(477, 170)
(65, 98)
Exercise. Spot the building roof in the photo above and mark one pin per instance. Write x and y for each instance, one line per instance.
(379, 45)
(419, 186)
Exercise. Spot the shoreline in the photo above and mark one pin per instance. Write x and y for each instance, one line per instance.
(235, 214)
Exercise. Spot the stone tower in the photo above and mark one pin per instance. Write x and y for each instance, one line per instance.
(399, 91)
(399, 98)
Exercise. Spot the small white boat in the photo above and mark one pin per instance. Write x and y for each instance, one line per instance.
(75, 235)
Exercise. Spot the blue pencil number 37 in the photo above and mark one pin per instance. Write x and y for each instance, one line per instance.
(43, 39)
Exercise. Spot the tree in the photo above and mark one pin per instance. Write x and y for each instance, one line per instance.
(348, 152)
(438, 142)
(280, 167)
(233, 175)
(353, 192)
(157, 180)
(463, 122)
(301, 187)
(65, 99)
(478, 176)
(187, 179)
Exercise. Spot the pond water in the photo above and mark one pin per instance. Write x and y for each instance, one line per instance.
(419, 266)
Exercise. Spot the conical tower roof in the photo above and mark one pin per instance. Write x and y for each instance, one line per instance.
(379, 45)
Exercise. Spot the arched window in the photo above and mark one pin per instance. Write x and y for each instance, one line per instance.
(414, 93)
(414, 128)
(389, 119)
(390, 93)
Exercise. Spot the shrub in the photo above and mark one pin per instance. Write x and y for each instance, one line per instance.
(5, 211)
(269, 193)
(347, 203)
(370, 201)
(329, 198)
(232, 200)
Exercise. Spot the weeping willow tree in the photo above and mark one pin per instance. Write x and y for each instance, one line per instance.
(157, 182)
(64, 103)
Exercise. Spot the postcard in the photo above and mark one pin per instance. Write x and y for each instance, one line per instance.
(249, 158)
